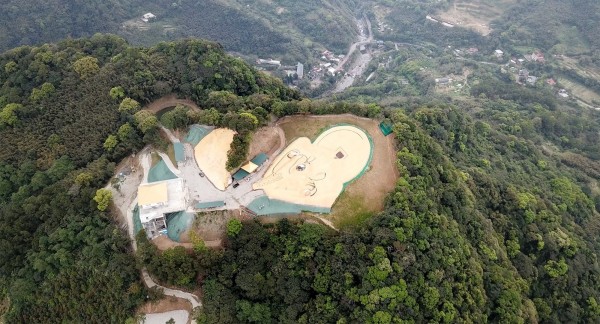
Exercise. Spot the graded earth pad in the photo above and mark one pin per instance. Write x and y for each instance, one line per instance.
(314, 174)
(211, 156)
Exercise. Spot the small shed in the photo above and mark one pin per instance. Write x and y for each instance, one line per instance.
(240, 174)
(386, 128)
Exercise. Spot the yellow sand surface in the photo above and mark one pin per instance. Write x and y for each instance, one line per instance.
(314, 174)
(211, 156)
(149, 194)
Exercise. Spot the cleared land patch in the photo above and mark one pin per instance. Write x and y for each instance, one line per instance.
(264, 140)
(580, 91)
(476, 14)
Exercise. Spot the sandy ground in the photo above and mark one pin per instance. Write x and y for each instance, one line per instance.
(323, 176)
(265, 140)
(375, 184)
(211, 156)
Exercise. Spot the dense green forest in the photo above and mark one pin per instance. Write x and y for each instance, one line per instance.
(61, 259)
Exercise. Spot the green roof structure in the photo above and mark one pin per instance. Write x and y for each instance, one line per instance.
(179, 153)
(240, 174)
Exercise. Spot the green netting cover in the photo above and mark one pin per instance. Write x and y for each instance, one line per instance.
(160, 172)
(386, 129)
(177, 223)
(263, 205)
(210, 204)
(197, 133)
(179, 153)
(137, 223)
(260, 159)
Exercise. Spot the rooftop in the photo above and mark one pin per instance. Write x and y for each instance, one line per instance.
(159, 198)
(152, 193)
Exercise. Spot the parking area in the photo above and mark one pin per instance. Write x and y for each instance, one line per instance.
(202, 190)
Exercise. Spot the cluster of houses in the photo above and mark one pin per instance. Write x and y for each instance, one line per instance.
(327, 65)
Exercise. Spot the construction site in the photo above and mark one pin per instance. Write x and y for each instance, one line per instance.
(281, 177)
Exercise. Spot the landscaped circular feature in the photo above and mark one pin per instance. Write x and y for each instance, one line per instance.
(315, 173)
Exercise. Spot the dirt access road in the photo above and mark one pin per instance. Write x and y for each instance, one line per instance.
(169, 101)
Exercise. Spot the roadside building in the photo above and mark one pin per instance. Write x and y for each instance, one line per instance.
(532, 79)
(148, 16)
(300, 70)
(563, 93)
(268, 62)
(443, 82)
(523, 75)
(157, 199)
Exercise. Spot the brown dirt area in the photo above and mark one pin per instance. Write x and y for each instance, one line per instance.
(264, 140)
(211, 226)
(163, 243)
(364, 196)
(475, 15)
(166, 304)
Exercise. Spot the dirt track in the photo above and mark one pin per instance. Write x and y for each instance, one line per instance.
(169, 101)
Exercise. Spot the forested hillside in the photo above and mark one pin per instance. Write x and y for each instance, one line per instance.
(35, 21)
(61, 259)
(569, 27)
(285, 29)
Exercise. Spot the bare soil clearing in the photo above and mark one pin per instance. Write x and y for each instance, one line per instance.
(212, 226)
(476, 14)
(163, 243)
(369, 190)
(265, 140)
(166, 304)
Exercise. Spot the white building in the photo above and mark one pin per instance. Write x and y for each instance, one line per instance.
(157, 199)
(498, 53)
(147, 16)
(300, 70)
